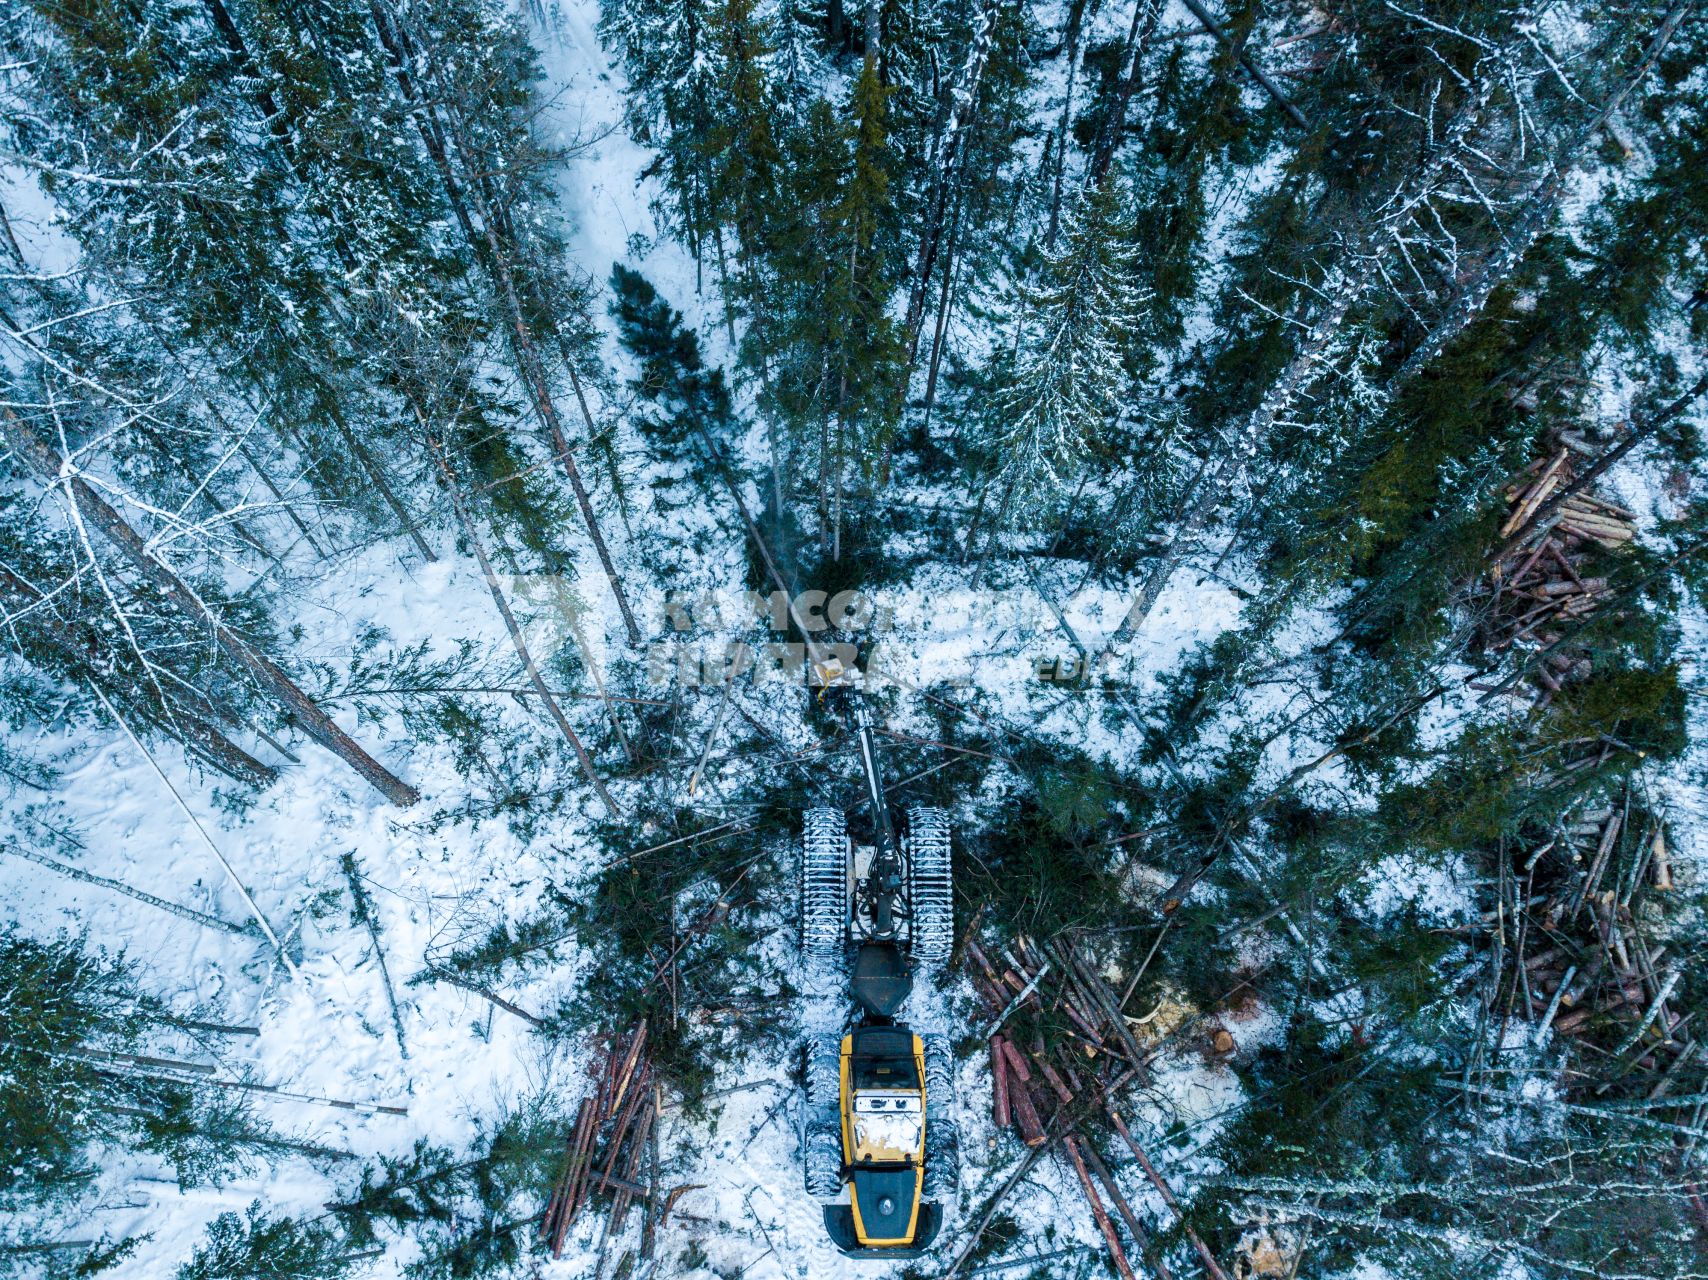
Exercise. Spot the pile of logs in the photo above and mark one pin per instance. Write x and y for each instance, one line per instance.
(1581, 518)
(1540, 581)
(1052, 1093)
(1577, 956)
(613, 1135)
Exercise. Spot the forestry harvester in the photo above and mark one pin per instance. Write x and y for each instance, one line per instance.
(877, 1103)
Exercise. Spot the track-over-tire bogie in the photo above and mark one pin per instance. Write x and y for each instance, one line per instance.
(931, 895)
(942, 1138)
(898, 922)
(824, 884)
(821, 1122)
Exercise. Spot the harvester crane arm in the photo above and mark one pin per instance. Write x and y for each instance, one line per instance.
(885, 883)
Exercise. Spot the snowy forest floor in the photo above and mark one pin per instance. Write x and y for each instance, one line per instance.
(454, 869)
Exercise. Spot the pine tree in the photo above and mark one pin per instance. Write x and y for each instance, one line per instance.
(201, 219)
(742, 151)
(477, 108)
(673, 374)
(461, 1208)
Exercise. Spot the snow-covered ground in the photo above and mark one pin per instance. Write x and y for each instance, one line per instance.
(324, 1029)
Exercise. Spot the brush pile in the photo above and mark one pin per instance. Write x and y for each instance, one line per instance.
(1060, 1054)
(1576, 936)
(1585, 943)
(1542, 580)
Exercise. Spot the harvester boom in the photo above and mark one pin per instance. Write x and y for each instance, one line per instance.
(886, 875)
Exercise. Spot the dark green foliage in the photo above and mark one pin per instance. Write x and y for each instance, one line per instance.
(208, 1136)
(105, 1256)
(260, 1245)
(999, 1233)
(1432, 1186)
(1195, 691)
(690, 398)
(504, 759)
(1643, 710)
(1333, 1101)
(528, 944)
(1492, 780)
(673, 934)
(1190, 125)
(1198, 958)
(1402, 964)
(469, 1212)
(1074, 800)
(72, 641)
(1471, 797)
(58, 999)
(1646, 234)
(65, 1008)
(331, 228)
(1041, 863)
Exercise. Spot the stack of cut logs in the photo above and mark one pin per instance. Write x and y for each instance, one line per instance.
(1053, 1094)
(1580, 958)
(611, 1138)
(1540, 582)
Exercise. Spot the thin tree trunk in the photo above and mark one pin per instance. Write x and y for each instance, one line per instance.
(454, 492)
(280, 125)
(289, 509)
(995, 530)
(940, 331)
(1078, 16)
(723, 286)
(567, 604)
(486, 246)
(815, 653)
(1256, 72)
(576, 385)
(242, 443)
(1342, 292)
(824, 456)
(948, 166)
(212, 500)
(395, 41)
(364, 908)
(838, 467)
(527, 357)
(211, 743)
(970, 542)
(271, 115)
(55, 470)
(198, 734)
(365, 459)
(1145, 15)
(89, 877)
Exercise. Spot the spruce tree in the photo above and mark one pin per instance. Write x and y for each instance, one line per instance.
(75, 1087)
(1061, 382)
(267, 1247)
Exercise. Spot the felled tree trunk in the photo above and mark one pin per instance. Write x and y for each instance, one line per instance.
(54, 470)
(1468, 301)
